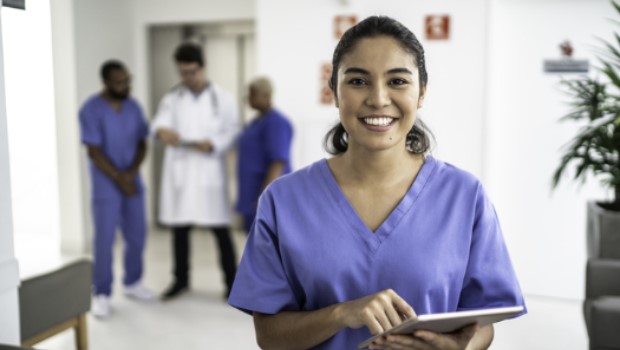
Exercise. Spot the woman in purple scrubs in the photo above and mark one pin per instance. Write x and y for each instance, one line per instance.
(349, 246)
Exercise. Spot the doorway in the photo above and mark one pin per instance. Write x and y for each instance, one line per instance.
(229, 51)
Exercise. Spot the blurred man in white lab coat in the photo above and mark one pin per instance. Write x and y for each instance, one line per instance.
(198, 122)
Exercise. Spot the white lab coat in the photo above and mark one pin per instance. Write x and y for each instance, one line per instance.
(194, 186)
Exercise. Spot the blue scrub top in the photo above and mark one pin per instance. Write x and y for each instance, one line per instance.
(441, 249)
(265, 140)
(117, 134)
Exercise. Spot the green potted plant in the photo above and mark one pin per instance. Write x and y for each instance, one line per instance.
(595, 149)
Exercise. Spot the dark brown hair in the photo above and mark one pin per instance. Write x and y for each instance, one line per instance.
(189, 53)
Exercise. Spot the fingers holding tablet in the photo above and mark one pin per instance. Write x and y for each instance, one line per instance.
(424, 339)
(379, 312)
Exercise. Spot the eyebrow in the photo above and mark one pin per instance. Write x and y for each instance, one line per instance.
(355, 70)
(399, 70)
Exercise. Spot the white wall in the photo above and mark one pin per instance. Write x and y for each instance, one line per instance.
(102, 31)
(31, 131)
(71, 207)
(545, 229)
(9, 278)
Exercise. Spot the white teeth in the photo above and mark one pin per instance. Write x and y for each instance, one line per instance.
(383, 121)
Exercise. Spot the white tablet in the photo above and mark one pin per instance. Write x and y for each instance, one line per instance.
(449, 321)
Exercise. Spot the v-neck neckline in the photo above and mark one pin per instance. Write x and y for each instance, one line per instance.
(109, 105)
(374, 239)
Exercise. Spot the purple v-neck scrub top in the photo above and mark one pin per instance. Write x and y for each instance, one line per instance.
(265, 140)
(117, 134)
(441, 249)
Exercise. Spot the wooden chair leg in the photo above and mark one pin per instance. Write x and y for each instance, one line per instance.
(81, 333)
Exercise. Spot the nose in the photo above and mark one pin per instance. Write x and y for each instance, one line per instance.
(378, 96)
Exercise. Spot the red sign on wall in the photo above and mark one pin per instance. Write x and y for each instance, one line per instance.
(437, 27)
(342, 23)
(326, 95)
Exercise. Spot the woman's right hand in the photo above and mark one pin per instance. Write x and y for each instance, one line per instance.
(168, 136)
(379, 312)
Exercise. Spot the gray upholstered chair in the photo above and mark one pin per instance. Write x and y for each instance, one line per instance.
(54, 301)
(602, 305)
(11, 347)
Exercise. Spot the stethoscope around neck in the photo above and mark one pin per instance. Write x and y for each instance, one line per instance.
(212, 96)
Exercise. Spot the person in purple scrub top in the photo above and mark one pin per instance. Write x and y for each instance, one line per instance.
(113, 129)
(264, 149)
(349, 246)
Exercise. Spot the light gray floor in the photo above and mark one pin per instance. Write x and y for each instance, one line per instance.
(202, 320)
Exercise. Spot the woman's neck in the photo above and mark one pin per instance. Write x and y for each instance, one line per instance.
(382, 167)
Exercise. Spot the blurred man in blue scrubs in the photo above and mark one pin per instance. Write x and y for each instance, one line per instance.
(113, 129)
(264, 149)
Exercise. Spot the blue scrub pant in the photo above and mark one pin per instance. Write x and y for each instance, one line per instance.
(110, 214)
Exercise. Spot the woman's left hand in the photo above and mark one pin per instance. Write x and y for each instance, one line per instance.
(427, 340)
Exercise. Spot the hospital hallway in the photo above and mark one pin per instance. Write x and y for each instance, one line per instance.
(201, 319)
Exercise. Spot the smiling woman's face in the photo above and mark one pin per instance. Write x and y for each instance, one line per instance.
(378, 94)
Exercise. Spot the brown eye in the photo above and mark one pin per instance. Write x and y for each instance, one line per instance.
(356, 82)
(398, 82)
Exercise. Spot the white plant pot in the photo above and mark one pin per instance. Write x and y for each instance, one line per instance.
(603, 232)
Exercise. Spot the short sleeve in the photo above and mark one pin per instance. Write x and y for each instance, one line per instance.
(261, 284)
(90, 131)
(278, 140)
(490, 279)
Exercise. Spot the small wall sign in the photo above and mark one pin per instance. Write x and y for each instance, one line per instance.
(566, 64)
(326, 96)
(437, 27)
(342, 23)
